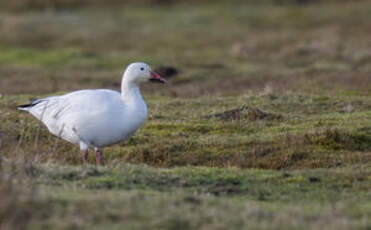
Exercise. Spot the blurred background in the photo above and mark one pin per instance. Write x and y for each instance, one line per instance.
(272, 98)
(203, 47)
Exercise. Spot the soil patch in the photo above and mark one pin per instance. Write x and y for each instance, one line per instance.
(244, 112)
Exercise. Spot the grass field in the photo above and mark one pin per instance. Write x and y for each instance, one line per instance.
(265, 122)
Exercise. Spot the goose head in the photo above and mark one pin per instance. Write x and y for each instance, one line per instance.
(141, 72)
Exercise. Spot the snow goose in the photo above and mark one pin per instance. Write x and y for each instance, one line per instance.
(97, 118)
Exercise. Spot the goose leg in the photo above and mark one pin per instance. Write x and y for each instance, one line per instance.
(99, 156)
(84, 154)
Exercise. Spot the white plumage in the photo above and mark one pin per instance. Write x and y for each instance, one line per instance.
(96, 118)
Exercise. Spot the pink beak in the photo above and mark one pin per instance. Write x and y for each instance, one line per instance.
(156, 77)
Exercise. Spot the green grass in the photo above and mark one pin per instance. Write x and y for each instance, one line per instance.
(267, 124)
(309, 48)
(137, 197)
(293, 131)
(307, 168)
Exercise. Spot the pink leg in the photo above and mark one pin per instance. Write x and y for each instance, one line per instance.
(99, 156)
(84, 154)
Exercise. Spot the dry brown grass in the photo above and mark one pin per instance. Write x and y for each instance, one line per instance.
(21, 5)
(18, 5)
(309, 150)
(16, 204)
(310, 82)
(291, 49)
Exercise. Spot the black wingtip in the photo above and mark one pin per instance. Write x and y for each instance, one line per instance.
(24, 106)
(31, 104)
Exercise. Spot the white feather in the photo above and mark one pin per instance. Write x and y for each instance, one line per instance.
(97, 118)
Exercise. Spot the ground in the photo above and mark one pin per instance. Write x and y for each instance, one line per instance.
(265, 122)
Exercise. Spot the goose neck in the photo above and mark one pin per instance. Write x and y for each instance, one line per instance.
(130, 92)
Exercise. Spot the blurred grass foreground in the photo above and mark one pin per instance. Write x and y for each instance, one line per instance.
(265, 122)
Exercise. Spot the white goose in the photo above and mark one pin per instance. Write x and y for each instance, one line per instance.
(97, 118)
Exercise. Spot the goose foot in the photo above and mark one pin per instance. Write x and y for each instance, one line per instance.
(84, 154)
(99, 156)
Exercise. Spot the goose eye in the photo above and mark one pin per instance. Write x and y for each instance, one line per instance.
(142, 68)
